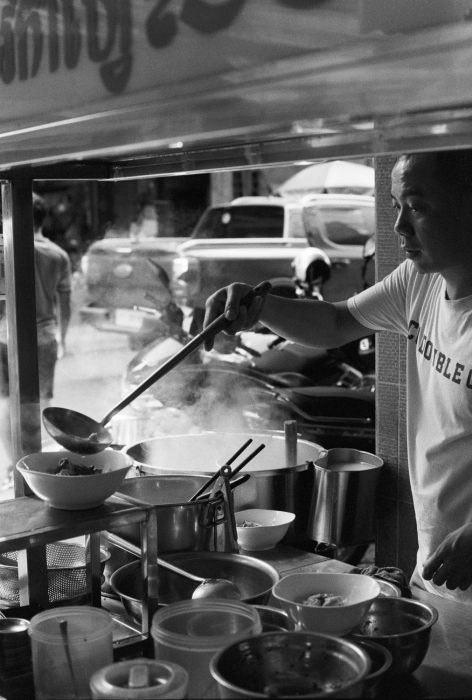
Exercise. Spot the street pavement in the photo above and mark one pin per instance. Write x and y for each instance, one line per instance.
(88, 377)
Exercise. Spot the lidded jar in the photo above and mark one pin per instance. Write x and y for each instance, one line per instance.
(139, 679)
(190, 633)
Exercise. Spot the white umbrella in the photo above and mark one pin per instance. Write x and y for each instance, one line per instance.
(332, 176)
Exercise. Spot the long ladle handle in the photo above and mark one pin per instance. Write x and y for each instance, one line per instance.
(136, 552)
(219, 324)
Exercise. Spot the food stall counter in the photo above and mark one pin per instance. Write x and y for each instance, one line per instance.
(446, 671)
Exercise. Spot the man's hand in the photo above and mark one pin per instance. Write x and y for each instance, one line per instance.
(451, 563)
(228, 301)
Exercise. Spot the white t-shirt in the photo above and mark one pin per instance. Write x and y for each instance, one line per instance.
(439, 398)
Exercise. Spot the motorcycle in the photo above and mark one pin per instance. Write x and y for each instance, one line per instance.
(256, 380)
(331, 392)
(288, 364)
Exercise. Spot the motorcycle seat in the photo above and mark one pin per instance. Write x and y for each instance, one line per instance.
(288, 379)
(333, 401)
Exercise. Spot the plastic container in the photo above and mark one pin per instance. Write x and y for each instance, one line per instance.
(189, 633)
(140, 678)
(90, 647)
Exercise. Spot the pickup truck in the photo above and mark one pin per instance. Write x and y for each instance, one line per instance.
(255, 238)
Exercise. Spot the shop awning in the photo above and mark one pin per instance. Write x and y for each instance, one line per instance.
(136, 87)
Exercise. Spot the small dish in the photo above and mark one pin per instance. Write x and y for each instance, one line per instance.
(260, 529)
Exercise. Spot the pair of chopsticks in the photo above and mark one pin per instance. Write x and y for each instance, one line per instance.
(228, 463)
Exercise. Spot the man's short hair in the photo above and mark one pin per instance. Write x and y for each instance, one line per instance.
(39, 210)
(454, 168)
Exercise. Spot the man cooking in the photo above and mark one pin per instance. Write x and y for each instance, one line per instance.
(428, 299)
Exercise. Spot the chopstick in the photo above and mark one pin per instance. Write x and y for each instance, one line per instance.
(238, 452)
(233, 484)
(248, 459)
(240, 466)
(214, 477)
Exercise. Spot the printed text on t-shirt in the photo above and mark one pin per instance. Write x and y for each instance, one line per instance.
(451, 369)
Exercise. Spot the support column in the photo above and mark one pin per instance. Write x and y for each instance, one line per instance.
(17, 208)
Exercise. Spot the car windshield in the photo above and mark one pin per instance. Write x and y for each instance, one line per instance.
(241, 222)
(342, 225)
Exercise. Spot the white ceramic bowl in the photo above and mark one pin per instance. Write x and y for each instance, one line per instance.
(74, 492)
(271, 526)
(357, 590)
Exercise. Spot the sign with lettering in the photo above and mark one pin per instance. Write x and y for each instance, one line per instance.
(58, 54)
(86, 77)
(61, 54)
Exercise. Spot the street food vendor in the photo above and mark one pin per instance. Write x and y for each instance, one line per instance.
(428, 299)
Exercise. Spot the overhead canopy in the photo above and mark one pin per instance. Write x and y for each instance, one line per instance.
(136, 87)
(333, 176)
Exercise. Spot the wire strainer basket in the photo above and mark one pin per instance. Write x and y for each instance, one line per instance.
(66, 567)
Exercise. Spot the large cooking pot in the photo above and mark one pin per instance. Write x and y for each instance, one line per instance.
(181, 526)
(273, 483)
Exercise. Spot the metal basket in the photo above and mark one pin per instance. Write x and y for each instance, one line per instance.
(67, 574)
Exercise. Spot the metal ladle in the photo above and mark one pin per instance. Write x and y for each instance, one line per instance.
(78, 433)
(207, 588)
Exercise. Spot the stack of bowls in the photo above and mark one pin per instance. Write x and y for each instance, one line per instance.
(402, 626)
(16, 672)
(15, 648)
(289, 664)
(380, 665)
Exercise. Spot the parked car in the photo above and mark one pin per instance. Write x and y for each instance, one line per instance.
(256, 238)
(122, 276)
(248, 239)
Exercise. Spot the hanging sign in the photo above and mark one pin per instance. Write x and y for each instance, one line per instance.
(56, 56)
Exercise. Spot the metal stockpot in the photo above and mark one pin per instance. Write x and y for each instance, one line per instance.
(342, 511)
(273, 483)
(181, 526)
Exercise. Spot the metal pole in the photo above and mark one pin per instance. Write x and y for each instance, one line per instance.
(21, 320)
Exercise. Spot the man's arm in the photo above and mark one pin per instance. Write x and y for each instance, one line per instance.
(311, 322)
(305, 321)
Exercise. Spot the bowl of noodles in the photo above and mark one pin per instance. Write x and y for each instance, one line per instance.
(329, 603)
(70, 481)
